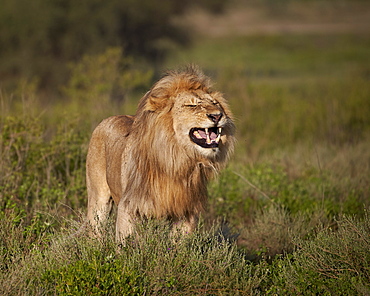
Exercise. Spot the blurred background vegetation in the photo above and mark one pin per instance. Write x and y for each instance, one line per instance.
(295, 195)
(40, 38)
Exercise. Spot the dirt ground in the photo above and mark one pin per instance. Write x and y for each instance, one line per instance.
(289, 17)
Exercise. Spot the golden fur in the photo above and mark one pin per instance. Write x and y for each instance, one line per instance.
(157, 163)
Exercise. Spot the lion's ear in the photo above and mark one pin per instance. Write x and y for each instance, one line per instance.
(157, 100)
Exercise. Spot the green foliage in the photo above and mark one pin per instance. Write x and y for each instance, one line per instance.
(103, 81)
(333, 263)
(94, 278)
(152, 262)
(18, 238)
(204, 262)
(245, 189)
(36, 172)
(40, 38)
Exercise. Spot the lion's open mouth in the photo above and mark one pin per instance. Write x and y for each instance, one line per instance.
(206, 137)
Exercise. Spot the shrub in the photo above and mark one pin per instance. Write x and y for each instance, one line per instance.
(152, 262)
(103, 81)
(93, 278)
(35, 170)
(41, 38)
(332, 263)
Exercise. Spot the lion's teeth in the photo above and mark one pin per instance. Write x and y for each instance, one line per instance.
(218, 138)
(208, 141)
(196, 133)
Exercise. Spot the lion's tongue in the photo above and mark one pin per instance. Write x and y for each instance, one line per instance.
(203, 134)
(211, 136)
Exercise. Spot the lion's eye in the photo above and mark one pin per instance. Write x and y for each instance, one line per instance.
(191, 105)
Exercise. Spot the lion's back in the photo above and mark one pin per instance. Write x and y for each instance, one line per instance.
(116, 126)
(110, 135)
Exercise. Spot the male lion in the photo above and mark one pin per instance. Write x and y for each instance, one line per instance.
(157, 163)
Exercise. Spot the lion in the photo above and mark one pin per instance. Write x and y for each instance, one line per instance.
(157, 163)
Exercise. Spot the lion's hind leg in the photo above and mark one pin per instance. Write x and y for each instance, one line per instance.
(98, 192)
(100, 204)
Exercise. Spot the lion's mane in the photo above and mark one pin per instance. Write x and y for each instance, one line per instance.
(154, 153)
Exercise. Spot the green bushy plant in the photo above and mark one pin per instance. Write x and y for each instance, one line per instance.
(151, 262)
(36, 170)
(332, 263)
(40, 45)
(94, 278)
(204, 262)
(103, 81)
(245, 189)
(18, 237)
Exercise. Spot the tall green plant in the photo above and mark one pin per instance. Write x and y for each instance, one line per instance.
(101, 82)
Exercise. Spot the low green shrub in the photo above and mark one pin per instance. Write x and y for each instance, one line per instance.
(152, 262)
(39, 173)
(241, 190)
(334, 262)
(93, 278)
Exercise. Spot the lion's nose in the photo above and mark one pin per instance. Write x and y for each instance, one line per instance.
(215, 117)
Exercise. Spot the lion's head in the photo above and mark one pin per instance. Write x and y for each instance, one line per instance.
(197, 118)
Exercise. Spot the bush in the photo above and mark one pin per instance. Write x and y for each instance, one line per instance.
(37, 172)
(333, 263)
(40, 38)
(104, 82)
(93, 278)
(152, 262)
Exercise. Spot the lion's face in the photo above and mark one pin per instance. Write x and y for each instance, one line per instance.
(201, 122)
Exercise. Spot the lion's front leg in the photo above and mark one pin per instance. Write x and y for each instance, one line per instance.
(185, 226)
(124, 224)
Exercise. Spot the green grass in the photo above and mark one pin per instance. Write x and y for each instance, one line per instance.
(289, 216)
